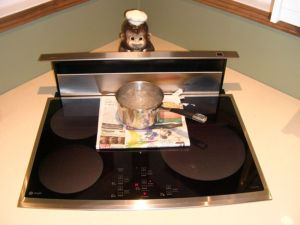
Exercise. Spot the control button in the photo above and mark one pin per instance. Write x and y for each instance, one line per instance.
(144, 181)
(169, 192)
(120, 188)
(143, 174)
(144, 186)
(175, 190)
(120, 194)
(120, 176)
(143, 168)
(120, 182)
(168, 186)
(120, 169)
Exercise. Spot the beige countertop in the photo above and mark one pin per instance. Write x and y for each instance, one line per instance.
(272, 120)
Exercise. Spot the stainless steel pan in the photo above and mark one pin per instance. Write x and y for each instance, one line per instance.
(139, 103)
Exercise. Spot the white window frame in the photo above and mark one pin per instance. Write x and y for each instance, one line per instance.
(8, 7)
(287, 11)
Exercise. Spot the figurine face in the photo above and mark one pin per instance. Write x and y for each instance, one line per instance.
(136, 40)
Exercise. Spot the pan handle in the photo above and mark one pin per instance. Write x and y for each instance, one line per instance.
(194, 116)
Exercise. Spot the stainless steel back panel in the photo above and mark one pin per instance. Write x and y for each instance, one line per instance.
(95, 84)
(92, 74)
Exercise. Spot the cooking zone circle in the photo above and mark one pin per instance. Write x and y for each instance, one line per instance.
(218, 156)
(75, 121)
(71, 169)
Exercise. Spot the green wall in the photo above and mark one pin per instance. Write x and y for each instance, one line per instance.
(81, 28)
(266, 54)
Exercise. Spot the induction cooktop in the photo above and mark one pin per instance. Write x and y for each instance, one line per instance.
(66, 171)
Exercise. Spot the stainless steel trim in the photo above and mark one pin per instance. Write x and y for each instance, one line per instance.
(142, 204)
(250, 146)
(138, 55)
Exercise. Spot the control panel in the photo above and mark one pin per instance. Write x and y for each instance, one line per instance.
(140, 183)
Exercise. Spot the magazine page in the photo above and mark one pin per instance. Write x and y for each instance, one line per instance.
(169, 131)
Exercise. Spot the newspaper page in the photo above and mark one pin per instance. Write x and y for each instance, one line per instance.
(169, 131)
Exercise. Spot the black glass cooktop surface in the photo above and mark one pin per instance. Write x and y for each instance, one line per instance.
(66, 170)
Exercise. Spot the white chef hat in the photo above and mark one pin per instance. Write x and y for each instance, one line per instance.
(136, 17)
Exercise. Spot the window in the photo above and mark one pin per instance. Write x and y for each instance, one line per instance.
(8, 7)
(38, 9)
(256, 14)
(265, 5)
(287, 11)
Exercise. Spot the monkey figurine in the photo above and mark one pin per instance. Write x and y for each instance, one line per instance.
(135, 36)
